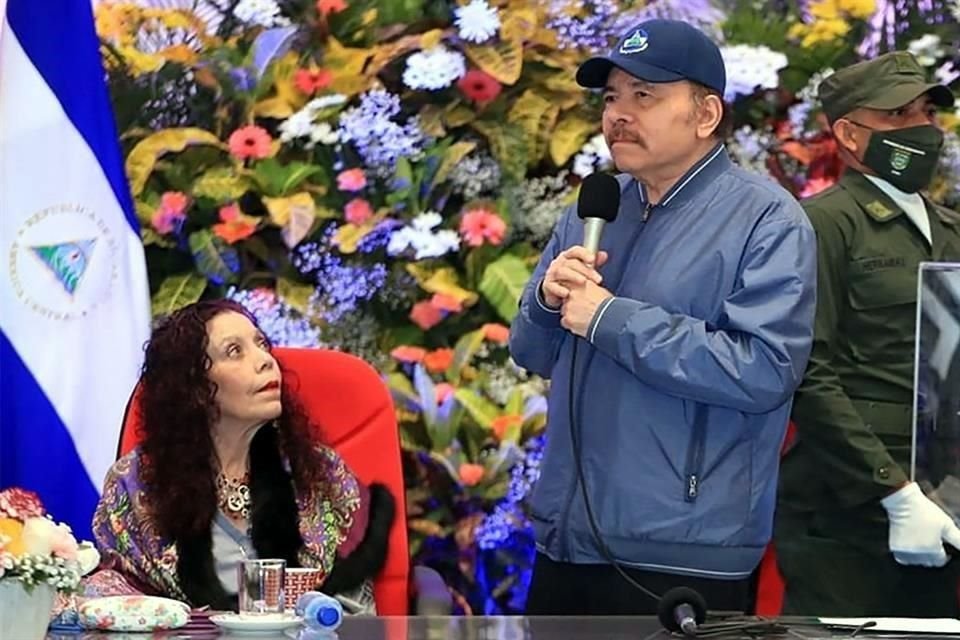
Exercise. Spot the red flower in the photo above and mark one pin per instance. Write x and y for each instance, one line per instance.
(309, 81)
(479, 86)
(250, 142)
(20, 504)
(326, 7)
(438, 360)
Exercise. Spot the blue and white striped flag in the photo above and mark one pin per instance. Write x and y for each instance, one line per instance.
(74, 299)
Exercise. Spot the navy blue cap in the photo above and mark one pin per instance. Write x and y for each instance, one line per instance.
(660, 51)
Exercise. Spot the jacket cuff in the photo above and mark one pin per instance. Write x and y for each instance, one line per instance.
(607, 322)
(540, 313)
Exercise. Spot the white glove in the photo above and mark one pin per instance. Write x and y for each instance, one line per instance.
(918, 528)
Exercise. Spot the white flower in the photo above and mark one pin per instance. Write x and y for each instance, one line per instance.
(594, 155)
(956, 104)
(325, 102)
(956, 10)
(434, 69)
(583, 164)
(926, 49)
(302, 124)
(39, 535)
(88, 558)
(947, 73)
(422, 239)
(597, 146)
(324, 134)
(477, 22)
(263, 13)
(750, 67)
(426, 221)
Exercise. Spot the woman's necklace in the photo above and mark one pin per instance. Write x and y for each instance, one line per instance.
(233, 495)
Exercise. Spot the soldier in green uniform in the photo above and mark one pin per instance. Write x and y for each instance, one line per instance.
(854, 536)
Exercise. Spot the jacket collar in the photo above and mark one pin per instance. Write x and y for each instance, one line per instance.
(702, 173)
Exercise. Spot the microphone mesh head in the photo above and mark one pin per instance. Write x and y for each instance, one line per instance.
(599, 197)
(674, 598)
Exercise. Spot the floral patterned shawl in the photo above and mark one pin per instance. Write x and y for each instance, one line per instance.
(332, 521)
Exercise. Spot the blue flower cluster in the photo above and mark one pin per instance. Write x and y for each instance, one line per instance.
(592, 28)
(283, 325)
(340, 287)
(377, 137)
(508, 516)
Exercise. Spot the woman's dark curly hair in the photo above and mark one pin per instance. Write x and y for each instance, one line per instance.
(178, 410)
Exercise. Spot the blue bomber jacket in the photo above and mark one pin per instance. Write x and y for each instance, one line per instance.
(683, 385)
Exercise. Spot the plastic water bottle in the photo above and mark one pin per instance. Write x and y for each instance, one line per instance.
(319, 611)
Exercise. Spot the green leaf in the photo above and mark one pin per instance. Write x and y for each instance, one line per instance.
(514, 403)
(214, 258)
(502, 284)
(507, 142)
(466, 347)
(296, 294)
(480, 409)
(451, 157)
(176, 292)
(278, 180)
(220, 184)
(151, 237)
(402, 389)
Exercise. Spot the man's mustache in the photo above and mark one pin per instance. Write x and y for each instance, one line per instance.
(619, 134)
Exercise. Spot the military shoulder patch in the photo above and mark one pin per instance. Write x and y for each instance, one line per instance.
(879, 210)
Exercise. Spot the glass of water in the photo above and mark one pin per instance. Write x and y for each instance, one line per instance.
(260, 586)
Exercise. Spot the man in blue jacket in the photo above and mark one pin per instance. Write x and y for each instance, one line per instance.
(693, 326)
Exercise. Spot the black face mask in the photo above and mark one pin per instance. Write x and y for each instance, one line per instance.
(906, 158)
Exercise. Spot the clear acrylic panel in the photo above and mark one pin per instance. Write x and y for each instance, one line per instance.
(936, 408)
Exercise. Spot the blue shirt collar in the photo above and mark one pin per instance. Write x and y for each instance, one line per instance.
(702, 173)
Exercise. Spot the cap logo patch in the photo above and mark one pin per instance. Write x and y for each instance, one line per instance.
(637, 42)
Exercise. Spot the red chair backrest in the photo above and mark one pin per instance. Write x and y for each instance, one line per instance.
(349, 402)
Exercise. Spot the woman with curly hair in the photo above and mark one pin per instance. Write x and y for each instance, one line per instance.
(229, 467)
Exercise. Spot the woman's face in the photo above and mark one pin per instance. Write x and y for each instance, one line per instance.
(245, 372)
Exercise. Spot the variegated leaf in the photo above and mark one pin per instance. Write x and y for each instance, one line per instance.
(143, 157)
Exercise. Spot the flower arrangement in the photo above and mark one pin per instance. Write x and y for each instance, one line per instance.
(35, 550)
(381, 177)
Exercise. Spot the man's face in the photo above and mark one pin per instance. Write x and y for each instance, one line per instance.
(853, 136)
(647, 125)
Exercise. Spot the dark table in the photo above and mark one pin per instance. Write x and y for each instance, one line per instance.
(478, 628)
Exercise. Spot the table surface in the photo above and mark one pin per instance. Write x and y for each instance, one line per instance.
(465, 628)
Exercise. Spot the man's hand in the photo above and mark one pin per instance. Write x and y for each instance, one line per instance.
(572, 268)
(918, 528)
(580, 306)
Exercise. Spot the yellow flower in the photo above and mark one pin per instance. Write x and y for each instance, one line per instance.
(116, 21)
(825, 10)
(140, 62)
(11, 537)
(860, 9)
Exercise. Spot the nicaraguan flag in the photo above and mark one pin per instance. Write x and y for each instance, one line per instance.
(74, 300)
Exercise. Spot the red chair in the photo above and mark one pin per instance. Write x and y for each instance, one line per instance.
(350, 402)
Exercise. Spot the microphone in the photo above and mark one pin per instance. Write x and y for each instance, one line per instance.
(682, 609)
(597, 204)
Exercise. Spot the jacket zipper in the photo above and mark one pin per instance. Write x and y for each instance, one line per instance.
(695, 450)
(647, 209)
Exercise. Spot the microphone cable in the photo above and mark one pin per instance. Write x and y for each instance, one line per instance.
(737, 624)
(582, 482)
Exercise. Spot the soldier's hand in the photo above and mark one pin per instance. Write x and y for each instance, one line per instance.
(919, 528)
